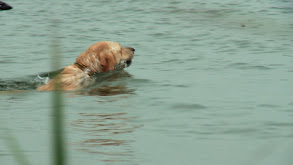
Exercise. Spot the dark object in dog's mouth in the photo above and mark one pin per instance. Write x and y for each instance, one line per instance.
(128, 63)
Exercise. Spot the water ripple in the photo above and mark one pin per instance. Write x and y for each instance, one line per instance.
(182, 106)
(247, 66)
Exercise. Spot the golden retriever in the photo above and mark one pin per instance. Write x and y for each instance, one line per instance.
(99, 57)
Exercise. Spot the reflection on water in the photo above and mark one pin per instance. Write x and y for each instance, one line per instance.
(109, 84)
(110, 91)
(105, 134)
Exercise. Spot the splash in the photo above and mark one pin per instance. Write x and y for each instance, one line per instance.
(43, 80)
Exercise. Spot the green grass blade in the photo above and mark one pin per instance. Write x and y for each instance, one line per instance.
(57, 102)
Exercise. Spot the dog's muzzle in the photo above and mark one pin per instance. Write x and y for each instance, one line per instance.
(123, 64)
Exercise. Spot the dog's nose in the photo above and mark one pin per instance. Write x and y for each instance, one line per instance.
(132, 49)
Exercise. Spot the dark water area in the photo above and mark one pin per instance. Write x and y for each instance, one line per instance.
(17, 85)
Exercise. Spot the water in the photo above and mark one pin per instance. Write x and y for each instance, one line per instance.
(211, 82)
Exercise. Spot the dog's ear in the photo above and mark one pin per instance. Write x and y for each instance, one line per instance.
(107, 61)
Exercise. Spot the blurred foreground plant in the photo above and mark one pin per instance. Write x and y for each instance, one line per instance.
(57, 115)
(57, 101)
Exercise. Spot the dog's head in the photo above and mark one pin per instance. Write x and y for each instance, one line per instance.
(106, 56)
